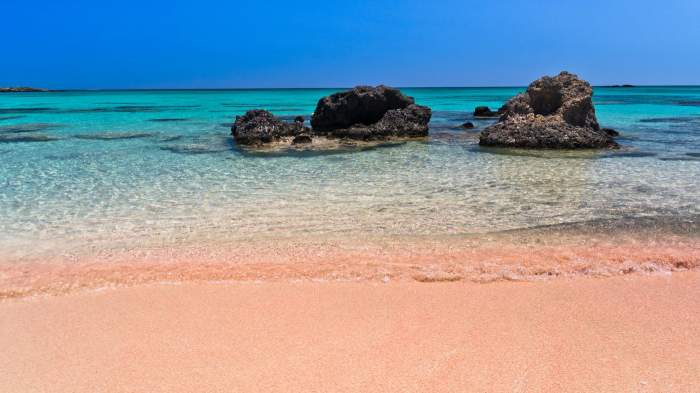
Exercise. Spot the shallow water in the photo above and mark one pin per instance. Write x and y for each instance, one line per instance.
(128, 169)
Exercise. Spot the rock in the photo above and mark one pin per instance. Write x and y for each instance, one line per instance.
(553, 113)
(370, 113)
(411, 121)
(484, 111)
(301, 139)
(610, 131)
(467, 125)
(259, 126)
(360, 105)
(299, 119)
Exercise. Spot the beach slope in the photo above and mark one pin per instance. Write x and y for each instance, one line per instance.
(633, 333)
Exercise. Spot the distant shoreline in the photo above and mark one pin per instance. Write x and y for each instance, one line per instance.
(22, 90)
(40, 90)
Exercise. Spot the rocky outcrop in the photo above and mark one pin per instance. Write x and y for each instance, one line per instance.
(370, 113)
(258, 126)
(553, 113)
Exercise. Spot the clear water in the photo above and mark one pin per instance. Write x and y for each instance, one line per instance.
(98, 170)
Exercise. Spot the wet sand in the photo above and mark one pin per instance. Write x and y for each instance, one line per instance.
(623, 334)
(530, 255)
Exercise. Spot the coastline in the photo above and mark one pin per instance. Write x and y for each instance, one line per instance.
(603, 248)
(631, 333)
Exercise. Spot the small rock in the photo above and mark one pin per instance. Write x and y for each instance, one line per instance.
(484, 111)
(301, 139)
(259, 126)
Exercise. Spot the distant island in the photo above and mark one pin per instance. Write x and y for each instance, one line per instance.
(620, 86)
(21, 90)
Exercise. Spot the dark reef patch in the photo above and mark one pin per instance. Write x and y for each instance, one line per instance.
(680, 158)
(683, 119)
(109, 136)
(115, 109)
(171, 138)
(10, 117)
(575, 154)
(26, 110)
(194, 149)
(688, 103)
(167, 120)
(629, 154)
(15, 138)
(132, 109)
(27, 127)
(306, 151)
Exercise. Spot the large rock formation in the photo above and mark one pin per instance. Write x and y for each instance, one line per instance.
(260, 126)
(370, 113)
(553, 113)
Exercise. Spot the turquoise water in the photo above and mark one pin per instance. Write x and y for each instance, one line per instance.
(128, 169)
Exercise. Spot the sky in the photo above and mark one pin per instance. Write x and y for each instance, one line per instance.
(129, 44)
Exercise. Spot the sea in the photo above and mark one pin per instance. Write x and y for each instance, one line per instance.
(89, 171)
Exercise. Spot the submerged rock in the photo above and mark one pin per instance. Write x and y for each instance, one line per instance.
(553, 113)
(368, 113)
(467, 125)
(259, 126)
(484, 111)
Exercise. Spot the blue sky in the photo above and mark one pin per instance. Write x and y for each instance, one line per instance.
(274, 43)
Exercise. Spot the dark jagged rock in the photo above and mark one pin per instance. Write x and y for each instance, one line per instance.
(360, 105)
(370, 113)
(467, 125)
(484, 111)
(411, 121)
(299, 119)
(259, 126)
(553, 113)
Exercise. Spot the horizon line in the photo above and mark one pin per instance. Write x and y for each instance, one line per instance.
(628, 86)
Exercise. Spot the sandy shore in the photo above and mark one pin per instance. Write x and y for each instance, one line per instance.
(622, 334)
(574, 250)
